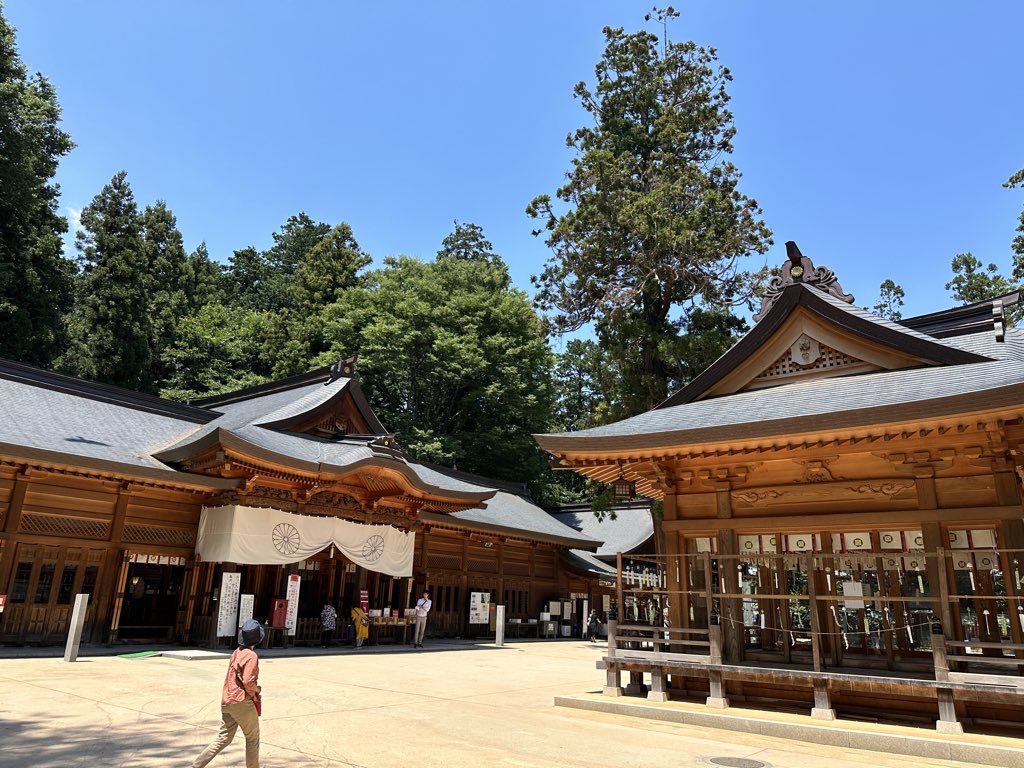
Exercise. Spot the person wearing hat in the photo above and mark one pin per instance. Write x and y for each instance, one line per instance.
(240, 701)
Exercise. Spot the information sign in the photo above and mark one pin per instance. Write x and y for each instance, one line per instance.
(227, 616)
(294, 582)
(244, 609)
(479, 607)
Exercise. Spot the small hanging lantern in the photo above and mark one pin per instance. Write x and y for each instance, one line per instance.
(623, 489)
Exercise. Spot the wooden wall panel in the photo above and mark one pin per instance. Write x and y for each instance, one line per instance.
(977, 491)
(83, 500)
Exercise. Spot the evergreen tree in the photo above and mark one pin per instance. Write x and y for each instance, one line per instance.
(110, 325)
(890, 299)
(329, 267)
(35, 278)
(655, 226)
(454, 360)
(203, 280)
(167, 269)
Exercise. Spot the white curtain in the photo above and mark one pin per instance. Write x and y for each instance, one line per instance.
(259, 536)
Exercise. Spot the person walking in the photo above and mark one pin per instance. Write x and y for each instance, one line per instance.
(329, 622)
(593, 626)
(240, 702)
(423, 606)
(362, 624)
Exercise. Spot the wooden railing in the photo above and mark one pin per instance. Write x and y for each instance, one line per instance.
(655, 651)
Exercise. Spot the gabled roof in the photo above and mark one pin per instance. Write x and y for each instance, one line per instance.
(627, 530)
(60, 420)
(911, 347)
(961, 321)
(819, 405)
(509, 514)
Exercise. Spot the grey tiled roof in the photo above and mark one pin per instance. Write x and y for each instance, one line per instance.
(1012, 348)
(44, 419)
(586, 563)
(511, 513)
(629, 530)
(819, 397)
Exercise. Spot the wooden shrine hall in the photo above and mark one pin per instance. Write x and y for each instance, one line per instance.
(842, 515)
(291, 489)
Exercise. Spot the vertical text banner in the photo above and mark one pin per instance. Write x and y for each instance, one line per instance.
(227, 618)
(291, 619)
(245, 609)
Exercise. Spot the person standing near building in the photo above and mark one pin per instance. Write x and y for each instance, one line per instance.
(240, 701)
(362, 625)
(593, 626)
(328, 621)
(423, 606)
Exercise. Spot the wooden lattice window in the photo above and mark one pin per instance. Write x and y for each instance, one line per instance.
(58, 525)
(151, 534)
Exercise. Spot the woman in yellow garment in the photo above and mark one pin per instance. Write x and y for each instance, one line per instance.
(362, 622)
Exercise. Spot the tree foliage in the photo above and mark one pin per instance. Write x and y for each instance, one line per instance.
(890, 299)
(35, 278)
(453, 359)
(653, 222)
(110, 326)
(973, 281)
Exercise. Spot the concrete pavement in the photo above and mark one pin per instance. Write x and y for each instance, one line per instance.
(449, 706)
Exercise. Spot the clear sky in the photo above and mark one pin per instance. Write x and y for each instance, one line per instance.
(875, 134)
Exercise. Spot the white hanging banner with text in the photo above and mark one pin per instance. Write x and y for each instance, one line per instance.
(291, 618)
(227, 616)
(260, 536)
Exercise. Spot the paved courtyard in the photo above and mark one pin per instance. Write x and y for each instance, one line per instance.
(445, 706)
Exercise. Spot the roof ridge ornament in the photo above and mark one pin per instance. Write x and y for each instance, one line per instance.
(345, 367)
(799, 269)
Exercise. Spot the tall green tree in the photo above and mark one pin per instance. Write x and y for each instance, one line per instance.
(263, 280)
(110, 326)
(650, 222)
(217, 349)
(973, 281)
(167, 271)
(1015, 182)
(890, 299)
(296, 238)
(454, 360)
(329, 267)
(35, 278)
(204, 279)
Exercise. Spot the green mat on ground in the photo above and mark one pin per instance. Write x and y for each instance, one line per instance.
(138, 655)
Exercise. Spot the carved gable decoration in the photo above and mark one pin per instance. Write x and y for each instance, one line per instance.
(805, 351)
(807, 358)
(799, 269)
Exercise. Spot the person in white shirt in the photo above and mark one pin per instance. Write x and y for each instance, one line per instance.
(423, 606)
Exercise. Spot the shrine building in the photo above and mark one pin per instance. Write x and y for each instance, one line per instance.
(842, 494)
(180, 520)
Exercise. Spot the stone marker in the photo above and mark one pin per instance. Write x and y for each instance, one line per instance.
(499, 626)
(75, 630)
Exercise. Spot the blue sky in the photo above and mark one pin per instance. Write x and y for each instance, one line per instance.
(875, 134)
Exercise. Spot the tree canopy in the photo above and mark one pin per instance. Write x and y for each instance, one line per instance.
(35, 278)
(453, 358)
(651, 224)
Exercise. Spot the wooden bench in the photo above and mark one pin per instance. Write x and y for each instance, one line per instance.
(628, 654)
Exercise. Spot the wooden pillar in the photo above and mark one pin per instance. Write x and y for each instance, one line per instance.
(1012, 537)
(716, 691)
(812, 611)
(938, 579)
(119, 587)
(731, 609)
(10, 555)
(834, 638)
(887, 629)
